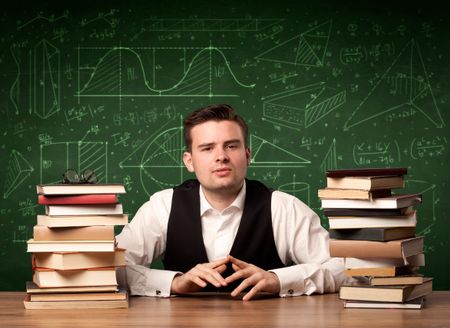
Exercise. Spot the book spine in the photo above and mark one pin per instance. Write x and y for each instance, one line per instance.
(78, 199)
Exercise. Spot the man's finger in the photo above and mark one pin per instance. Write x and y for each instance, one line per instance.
(255, 290)
(216, 263)
(210, 275)
(250, 281)
(237, 262)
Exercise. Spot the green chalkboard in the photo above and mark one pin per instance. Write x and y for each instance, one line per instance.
(322, 85)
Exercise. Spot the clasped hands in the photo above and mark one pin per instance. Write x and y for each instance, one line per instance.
(199, 276)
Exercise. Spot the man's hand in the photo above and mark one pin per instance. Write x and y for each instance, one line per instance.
(261, 280)
(199, 276)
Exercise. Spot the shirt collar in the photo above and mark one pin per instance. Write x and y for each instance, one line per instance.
(237, 203)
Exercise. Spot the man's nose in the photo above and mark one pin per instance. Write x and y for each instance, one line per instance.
(221, 155)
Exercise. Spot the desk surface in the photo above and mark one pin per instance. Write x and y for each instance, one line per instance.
(215, 310)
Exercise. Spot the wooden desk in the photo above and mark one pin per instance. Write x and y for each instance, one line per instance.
(222, 311)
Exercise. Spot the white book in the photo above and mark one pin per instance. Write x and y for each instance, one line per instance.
(97, 277)
(103, 209)
(81, 220)
(70, 246)
(413, 260)
(356, 222)
(396, 201)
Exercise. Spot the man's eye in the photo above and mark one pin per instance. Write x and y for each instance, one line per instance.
(233, 146)
(206, 149)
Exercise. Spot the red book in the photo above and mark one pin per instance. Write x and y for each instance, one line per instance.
(78, 199)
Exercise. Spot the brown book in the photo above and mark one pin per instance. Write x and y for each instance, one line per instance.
(376, 249)
(32, 288)
(81, 221)
(74, 278)
(353, 193)
(375, 171)
(79, 260)
(398, 294)
(43, 233)
(58, 305)
(390, 271)
(397, 280)
(366, 183)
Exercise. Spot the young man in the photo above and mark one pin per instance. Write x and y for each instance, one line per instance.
(223, 232)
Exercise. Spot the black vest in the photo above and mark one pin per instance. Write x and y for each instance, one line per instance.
(254, 242)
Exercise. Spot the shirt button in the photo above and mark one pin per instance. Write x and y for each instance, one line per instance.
(158, 292)
(290, 291)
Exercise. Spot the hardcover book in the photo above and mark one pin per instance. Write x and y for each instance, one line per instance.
(81, 221)
(415, 304)
(355, 222)
(70, 246)
(366, 183)
(376, 171)
(74, 278)
(396, 201)
(77, 199)
(44, 233)
(375, 234)
(101, 209)
(368, 212)
(353, 193)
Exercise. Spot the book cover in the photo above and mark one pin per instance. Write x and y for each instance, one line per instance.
(375, 234)
(397, 280)
(79, 189)
(70, 305)
(80, 221)
(415, 304)
(65, 297)
(398, 294)
(74, 278)
(391, 271)
(79, 260)
(396, 201)
(368, 212)
(77, 199)
(102, 209)
(354, 223)
(413, 260)
(32, 288)
(44, 233)
(34, 246)
(401, 248)
(366, 183)
(376, 171)
(353, 193)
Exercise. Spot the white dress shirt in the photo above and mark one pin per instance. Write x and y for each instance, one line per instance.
(301, 242)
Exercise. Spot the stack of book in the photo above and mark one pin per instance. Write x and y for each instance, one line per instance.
(374, 231)
(73, 248)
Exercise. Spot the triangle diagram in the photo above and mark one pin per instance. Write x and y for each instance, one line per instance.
(306, 49)
(266, 153)
(404, 85)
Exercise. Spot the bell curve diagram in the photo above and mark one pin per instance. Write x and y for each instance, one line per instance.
(121, 72)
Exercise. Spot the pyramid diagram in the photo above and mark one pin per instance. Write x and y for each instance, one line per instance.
(403, 86)
(306, 49)
(18, 170)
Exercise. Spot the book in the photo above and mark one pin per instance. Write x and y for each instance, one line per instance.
(74, 278)
(100, 209)
(58, 305)
(398, 294)
(413, 261)
(65, 297)
(368, 212)
(44, 233)
(353, 193)
(355, 222)
(376, 171)
(79, 260)
(366, 183)
(400, 248)
(396, 201)
(397, 280)
(80, 221)
(391, 271)
(79, 189)
(70, 246)
(77, 199)
(375, 234)
(32, 288)
(415, 304)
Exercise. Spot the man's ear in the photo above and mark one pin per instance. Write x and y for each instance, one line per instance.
(247, 155)
(187, 159)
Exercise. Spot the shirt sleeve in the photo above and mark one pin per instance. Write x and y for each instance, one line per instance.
(303, 245)
(144, 239)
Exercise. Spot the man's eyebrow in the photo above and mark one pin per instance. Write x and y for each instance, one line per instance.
(207, 144)
(232, 141)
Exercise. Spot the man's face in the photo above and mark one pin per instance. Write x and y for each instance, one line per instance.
(218, 157)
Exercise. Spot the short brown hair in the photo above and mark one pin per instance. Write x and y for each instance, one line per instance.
(216, 112)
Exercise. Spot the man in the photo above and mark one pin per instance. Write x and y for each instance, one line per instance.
(223, 232)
